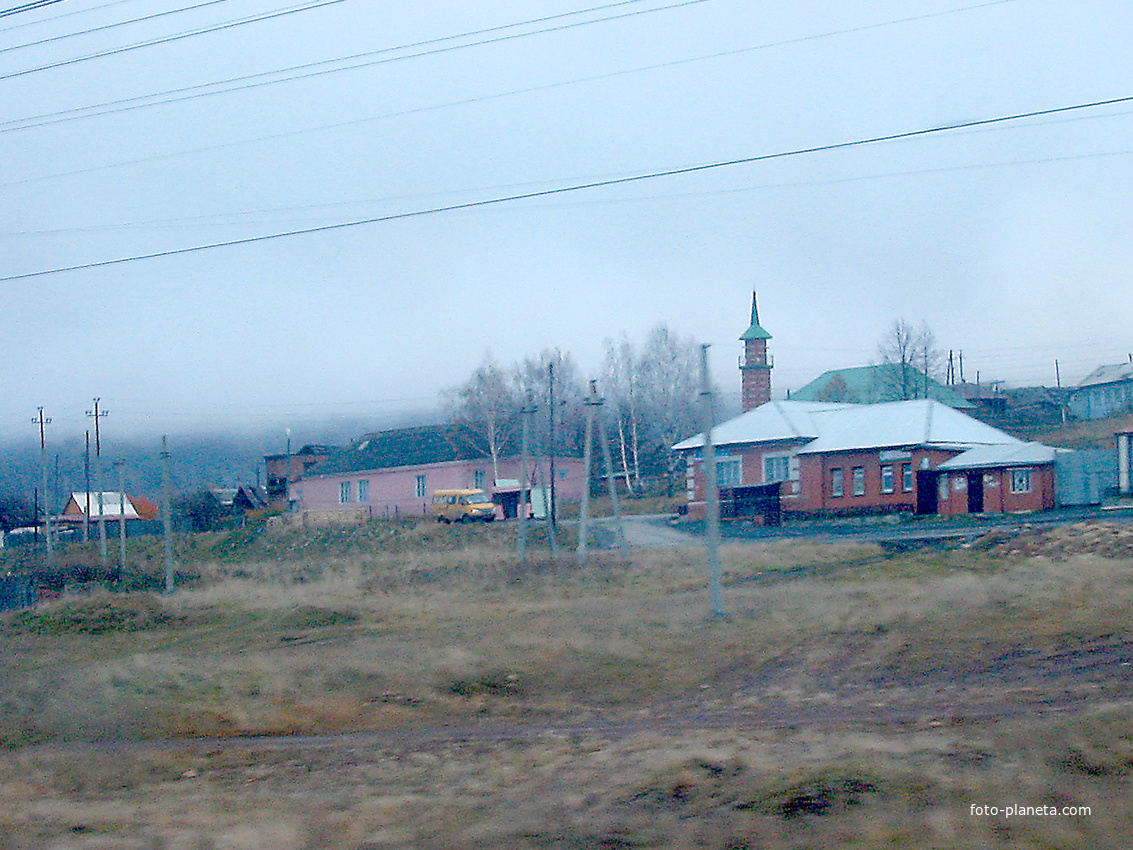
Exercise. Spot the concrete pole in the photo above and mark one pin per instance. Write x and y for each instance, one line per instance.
(612, 483)
(43, 422)
(1123, 458)
(166, 519)
(584, 505)
(711, 490)
(121, 521)
(524, 482)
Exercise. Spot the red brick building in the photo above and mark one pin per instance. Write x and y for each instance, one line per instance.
(870, 458)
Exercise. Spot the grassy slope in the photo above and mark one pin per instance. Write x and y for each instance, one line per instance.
(404, 628)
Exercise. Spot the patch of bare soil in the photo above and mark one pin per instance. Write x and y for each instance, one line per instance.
(1104, 539)
(875, 703)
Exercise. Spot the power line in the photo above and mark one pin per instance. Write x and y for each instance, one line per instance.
(50, 18)
(251, 19)
(578, 187)
(227, 218)
(28, 7)
(195, 92)
(114, 25)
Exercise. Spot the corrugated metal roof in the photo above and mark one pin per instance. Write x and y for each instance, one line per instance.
(400, 447)
(1111, 374)
(845, 427)
(1020, 454)
(875, 384)
(773, 421)
(110, 505)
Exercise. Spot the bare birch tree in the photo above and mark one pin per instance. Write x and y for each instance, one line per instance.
(487, 406)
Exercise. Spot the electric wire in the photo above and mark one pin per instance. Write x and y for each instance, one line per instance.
(225, 219)
(60, 17)
(110, 26)
(577, 187)
(114, 51)
(195, 92)
(27, 7)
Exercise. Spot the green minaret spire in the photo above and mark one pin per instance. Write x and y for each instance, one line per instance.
(755, 331)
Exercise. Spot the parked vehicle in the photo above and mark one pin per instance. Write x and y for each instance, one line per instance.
(463, 506)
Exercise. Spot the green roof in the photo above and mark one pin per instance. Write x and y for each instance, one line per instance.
(755, 331)
(875, 384)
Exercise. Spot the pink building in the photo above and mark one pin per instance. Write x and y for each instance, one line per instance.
(394, 473)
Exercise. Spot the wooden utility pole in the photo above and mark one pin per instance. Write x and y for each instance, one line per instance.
(711, 489)
(86, 484)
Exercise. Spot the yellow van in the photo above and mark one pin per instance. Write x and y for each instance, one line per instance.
(463, 506)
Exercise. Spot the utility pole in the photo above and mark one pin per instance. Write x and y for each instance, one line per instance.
(121, 519)
(166, 519)
(611, 482)
(711, 489)
(584, 505)
(43, 422)
(97, 414)
(86, 480)
(524, 480)
(551, 414)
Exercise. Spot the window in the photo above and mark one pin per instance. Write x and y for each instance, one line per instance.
(1020, 481)
(859, 480)
(728, 472)
(364, 490)
(836, 483)
(344, 492)
(422, 487)
(775, 469)
(478, 479)
(907, 478)
(887, 479)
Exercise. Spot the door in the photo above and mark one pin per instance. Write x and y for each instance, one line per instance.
(975, 492)
(926, 492)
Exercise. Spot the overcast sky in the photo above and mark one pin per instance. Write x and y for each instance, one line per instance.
(1012, 240)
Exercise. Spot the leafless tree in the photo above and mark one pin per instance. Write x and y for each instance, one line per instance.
(670, 391)
(912, 357)
(487, 406)
(620, 379)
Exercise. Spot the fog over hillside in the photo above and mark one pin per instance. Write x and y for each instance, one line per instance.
(197, 459)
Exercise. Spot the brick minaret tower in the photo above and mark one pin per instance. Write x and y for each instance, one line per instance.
(756, 363)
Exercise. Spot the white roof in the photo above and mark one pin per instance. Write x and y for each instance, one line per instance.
(110, 503)
(845, 427)
(1019, 454)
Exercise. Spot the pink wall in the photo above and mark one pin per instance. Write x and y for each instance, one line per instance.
(394, 491)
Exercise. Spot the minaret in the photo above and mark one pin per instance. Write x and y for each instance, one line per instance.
(756, 363)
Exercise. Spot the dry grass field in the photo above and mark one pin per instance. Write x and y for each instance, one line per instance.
(407, 685)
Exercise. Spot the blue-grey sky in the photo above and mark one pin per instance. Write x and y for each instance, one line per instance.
(1011, 240)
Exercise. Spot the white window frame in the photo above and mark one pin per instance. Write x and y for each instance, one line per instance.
(858, 479)
(887, 482)
(421, 486)
(907, 477)
(344, 492)
(776, 468)
(364, 490)
(1022, 480)
(729, 472)
(837, 482)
